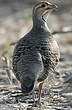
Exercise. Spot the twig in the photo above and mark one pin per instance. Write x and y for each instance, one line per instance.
(7, 62)
(63, 30)
(6, 68)
(12, 43)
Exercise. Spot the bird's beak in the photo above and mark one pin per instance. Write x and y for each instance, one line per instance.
(48, 9)
(51, 7)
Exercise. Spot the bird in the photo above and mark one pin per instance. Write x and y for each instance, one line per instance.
(37, 53)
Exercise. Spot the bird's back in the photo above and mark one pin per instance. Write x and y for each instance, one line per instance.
(27, 62)
(37, 53)
(34, 56)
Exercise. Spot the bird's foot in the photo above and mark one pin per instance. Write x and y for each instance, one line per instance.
(39, 103)
(35, 104)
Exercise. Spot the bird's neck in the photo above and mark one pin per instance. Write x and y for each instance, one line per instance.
(40, 24)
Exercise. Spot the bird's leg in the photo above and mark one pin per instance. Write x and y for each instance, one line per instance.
(40, 90)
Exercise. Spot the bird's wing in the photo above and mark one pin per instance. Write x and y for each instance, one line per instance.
(30, 64)
(29, 68)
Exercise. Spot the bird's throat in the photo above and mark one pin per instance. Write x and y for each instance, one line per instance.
(43, 19)
(39, 23)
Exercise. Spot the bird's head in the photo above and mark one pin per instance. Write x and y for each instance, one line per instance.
(42, 9)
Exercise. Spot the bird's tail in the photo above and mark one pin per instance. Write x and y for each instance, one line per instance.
(27, 84)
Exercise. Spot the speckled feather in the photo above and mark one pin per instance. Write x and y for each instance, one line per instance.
(35, 55)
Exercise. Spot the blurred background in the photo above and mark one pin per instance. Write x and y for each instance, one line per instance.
(16, 21)
(16, 18)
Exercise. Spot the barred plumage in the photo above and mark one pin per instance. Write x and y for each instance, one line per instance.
(37, 53)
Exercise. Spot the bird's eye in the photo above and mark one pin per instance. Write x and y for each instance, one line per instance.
(43, 5)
